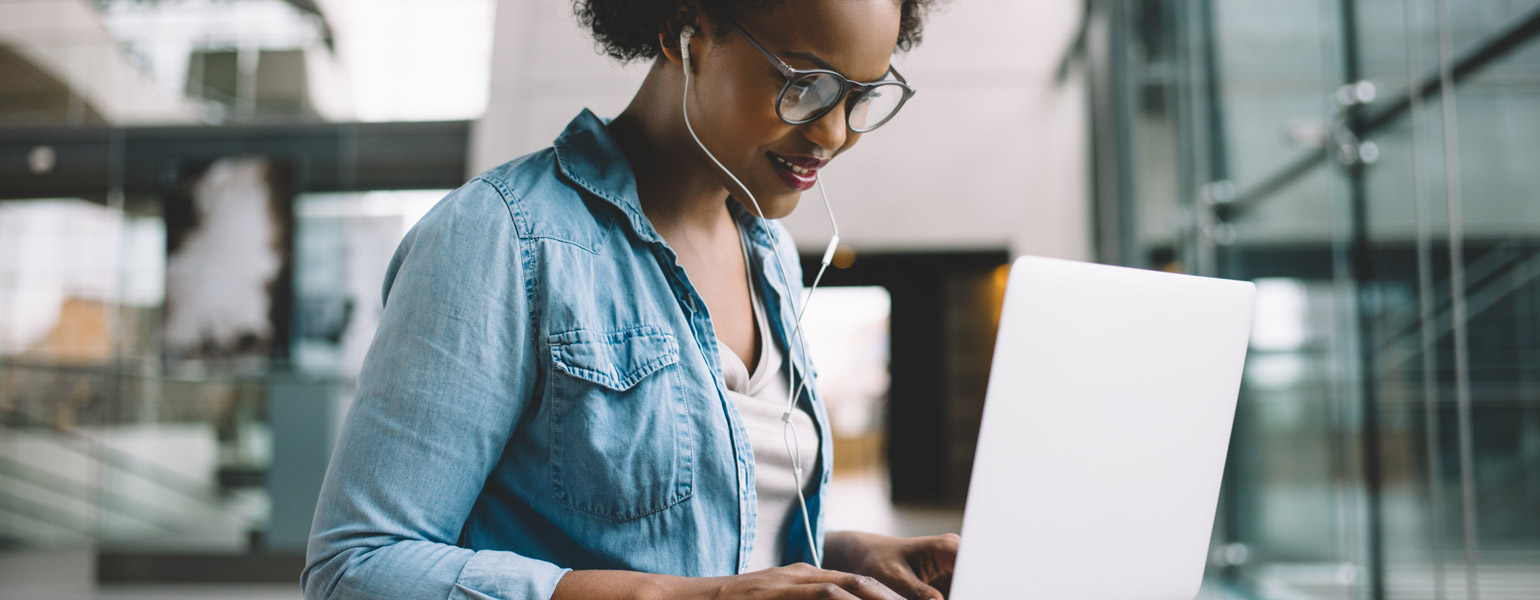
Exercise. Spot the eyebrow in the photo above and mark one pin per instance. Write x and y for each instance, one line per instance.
(810, 57)
(813, 58)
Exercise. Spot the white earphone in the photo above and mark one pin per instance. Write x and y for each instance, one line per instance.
(793, 447)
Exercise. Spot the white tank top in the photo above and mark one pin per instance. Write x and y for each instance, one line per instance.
(760, 396)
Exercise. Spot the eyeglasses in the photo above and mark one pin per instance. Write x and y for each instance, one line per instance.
(809, 94)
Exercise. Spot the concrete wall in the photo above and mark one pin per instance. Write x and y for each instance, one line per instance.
(991, 153)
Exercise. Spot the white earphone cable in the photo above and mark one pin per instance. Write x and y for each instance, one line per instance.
(789, 434)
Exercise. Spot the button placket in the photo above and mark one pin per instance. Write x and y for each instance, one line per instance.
(700, 323)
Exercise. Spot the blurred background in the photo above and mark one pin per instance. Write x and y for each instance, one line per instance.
(198, 199)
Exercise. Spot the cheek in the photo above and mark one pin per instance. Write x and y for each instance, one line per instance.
(753, 104)
(744, 112)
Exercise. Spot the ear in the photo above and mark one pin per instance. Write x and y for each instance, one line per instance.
(668, 45)
(668, 39)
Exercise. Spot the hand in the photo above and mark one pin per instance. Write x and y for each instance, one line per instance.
(800, 581)
(796, 582)
(912, 566)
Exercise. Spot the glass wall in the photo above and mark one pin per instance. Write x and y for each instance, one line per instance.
(1370, 165)
(198, 200)
(151, 400)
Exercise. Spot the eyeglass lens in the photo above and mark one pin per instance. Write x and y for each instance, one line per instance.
(810, 94)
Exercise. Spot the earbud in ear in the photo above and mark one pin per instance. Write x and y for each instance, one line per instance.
(684, 40)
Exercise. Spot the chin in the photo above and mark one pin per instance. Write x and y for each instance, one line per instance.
(775, 205)
(780, 206)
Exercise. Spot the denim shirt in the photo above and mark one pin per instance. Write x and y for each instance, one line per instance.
(543, 394)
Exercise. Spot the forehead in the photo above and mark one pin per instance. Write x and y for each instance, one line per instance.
(855, 37)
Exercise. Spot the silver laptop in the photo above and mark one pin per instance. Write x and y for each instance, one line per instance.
(1104, 436)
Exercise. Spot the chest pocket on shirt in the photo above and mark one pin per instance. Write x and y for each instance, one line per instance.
(620, 445)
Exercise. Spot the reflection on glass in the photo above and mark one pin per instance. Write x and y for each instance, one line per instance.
(101, 439)
(1380, 347)
(180, 330)
(348, 240)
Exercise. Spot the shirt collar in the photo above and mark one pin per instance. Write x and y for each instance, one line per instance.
(589, 157)
(750, 223)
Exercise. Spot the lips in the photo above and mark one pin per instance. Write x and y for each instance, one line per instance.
(799, 172)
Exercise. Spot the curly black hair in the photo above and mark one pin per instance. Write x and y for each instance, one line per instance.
(628, 30)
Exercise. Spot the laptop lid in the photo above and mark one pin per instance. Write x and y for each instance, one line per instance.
(1104, 434)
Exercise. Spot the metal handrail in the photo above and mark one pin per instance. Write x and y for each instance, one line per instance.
(40, 513)
(1491, 264)
(17, 421)
(160, 476)
(79, 491)
(1482, 297)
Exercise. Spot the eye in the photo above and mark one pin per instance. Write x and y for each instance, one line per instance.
(798, 90)
(868, 97)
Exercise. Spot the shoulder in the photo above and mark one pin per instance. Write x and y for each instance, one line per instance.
(526, 198)
(475, 230)
(542, 203)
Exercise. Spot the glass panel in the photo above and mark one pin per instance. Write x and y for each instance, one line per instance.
(1298, 512)
(1425, 513)
(1278, 67)
(1296, 501)
(162, 387)
(106, 439)
(1398, 45)
(1157, 61)
(1498, 117)
(181, 319)
(347, 239)
(1295, 504)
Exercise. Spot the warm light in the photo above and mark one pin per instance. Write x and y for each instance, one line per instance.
(997, 280)
(1000, 276)
(844, 256)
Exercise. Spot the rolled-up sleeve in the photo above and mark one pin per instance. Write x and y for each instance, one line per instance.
(443, 386)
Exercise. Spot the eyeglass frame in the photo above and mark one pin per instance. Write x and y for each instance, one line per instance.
(793, 74)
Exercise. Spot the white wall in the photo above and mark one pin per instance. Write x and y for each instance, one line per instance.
(991, 153)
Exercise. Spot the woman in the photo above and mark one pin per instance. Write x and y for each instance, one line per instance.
(578, 386)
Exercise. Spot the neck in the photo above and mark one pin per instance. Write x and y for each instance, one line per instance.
(678, 189)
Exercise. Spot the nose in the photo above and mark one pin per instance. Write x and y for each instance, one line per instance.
(829, 131)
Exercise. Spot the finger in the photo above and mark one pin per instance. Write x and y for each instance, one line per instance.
(945, 550)
(817, 581)
(867, 588)
(823, 591)
(937, 556)
(913, 588)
